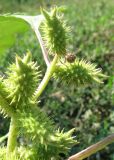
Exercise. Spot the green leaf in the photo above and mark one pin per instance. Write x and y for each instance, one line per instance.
(11, 25)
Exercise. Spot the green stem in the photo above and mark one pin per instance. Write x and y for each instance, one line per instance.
(93, 149)
(3, 138)
(12, 137)
(46, 78)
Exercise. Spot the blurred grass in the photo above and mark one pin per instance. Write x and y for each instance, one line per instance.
(90, 109)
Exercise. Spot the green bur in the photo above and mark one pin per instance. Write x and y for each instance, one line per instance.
(28, 121)
(78, 73)
(55, 32)
(22, 81)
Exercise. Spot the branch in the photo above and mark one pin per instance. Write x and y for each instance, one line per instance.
(3, 138)
(46, 78)
(93, 148)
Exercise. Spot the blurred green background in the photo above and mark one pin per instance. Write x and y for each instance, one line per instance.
(91, 109)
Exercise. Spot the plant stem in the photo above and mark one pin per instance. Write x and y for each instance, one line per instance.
(3, 138)
(93, 148)
(12, 137)
(44, 51)
(46, 78)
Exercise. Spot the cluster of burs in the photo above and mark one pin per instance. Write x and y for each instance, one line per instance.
(41, 139)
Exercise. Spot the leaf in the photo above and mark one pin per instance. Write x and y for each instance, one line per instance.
(11, 25)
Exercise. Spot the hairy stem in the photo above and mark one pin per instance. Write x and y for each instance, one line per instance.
(93, 149)
(12, 138)
(46, 78)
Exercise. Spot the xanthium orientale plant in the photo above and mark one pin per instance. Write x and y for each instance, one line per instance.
(21, 88)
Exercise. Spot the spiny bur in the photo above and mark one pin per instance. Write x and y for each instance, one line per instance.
(55, 32)
(78, 73)
(23, 77)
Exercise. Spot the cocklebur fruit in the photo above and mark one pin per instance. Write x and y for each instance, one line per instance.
(78, 73)
(55, 32)
(22, 80)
